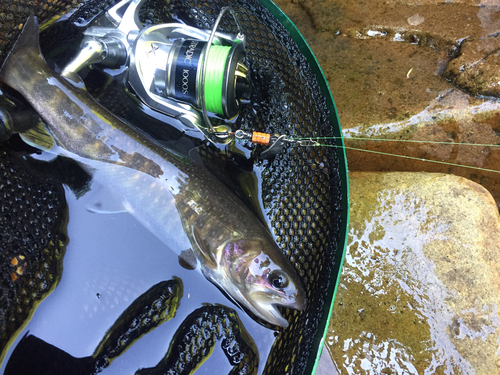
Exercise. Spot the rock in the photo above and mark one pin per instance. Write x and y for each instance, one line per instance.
(419, 291)
(415, 20)
(476, 68)
(468, 127)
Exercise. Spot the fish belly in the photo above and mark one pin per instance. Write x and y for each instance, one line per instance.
(150, 200)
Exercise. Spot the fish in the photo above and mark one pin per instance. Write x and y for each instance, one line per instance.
(172, 195)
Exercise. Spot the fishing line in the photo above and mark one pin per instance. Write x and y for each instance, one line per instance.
(412, 158)
(214, 78)
(395, 140)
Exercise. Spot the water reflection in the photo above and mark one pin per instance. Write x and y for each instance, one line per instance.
(193, 342)
(154, 307)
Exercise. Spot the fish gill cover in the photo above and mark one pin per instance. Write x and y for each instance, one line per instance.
(301, 187)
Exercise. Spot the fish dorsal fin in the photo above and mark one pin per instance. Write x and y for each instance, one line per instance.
(187, 259)
(39, 137)
(206, 256)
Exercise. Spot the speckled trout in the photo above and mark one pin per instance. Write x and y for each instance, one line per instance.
(175, 198)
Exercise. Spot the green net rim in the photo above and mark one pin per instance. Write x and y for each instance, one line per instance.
(318, 342)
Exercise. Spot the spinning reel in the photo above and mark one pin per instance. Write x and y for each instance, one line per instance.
(178, 70)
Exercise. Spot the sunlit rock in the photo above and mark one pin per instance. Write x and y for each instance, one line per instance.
(455, 133)
(419, 291)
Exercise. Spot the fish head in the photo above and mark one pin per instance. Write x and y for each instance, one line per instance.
(259, 278)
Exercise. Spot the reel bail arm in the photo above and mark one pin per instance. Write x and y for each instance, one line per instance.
(179, 70)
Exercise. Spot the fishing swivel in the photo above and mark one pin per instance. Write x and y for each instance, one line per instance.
(274, 143)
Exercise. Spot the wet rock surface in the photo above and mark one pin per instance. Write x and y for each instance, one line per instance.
(419, 291)
(476, 67)
(419, 70)
(419, 288)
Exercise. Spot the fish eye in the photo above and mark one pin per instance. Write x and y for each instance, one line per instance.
(278, 279)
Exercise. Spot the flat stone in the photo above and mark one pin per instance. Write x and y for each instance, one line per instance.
(419, 291)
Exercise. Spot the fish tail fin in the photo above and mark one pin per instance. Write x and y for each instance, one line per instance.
(39, 137)
(28, 41)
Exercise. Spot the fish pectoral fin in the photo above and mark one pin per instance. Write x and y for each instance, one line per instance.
(187, 259)
(102, 201)
(74, 79)
(39, 137)
(206, 256)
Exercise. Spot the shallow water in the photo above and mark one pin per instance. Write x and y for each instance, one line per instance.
(386, 62)
(388, 77)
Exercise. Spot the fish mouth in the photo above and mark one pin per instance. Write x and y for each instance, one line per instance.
(271, 314)
(267, 309)
(299, 303)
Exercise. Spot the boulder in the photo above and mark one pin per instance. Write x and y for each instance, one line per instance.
(419, 291)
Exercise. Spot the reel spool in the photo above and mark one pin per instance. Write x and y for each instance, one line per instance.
(226, 80)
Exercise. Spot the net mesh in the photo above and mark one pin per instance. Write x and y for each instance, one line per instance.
(301, 186)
